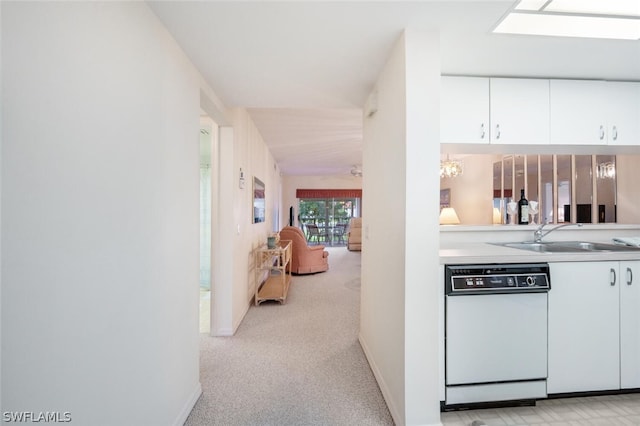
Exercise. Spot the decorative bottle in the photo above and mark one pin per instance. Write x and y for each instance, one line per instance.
(512, 211)
(523, 209)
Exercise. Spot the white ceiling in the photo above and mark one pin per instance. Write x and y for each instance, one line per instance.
(304, 69)
(312, 141)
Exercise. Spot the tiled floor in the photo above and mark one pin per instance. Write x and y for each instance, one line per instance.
(609, 410)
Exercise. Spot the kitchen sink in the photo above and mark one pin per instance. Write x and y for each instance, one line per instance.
(568, 247)
(542, 247)
(585, 245)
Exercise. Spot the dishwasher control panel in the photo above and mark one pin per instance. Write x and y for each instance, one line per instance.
(497, 278)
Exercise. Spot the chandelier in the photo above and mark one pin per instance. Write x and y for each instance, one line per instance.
(606, 170)
(450, 168)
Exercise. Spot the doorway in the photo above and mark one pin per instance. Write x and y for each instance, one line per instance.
(208, 139)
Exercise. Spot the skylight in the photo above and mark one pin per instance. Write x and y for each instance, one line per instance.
(596, 7)
(611, 19)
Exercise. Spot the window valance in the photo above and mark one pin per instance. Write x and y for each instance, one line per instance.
(328, 193)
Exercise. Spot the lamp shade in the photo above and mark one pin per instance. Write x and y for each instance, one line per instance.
(497, 217)
(448, 216)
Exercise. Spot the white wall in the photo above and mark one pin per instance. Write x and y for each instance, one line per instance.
(234, 235)
(224, 236)
(383, 282)
(627, 198)
(252, 155)
(1, 149)
(472, 192)
(399, 298)
(291, 183)
(99, 215)
(422, 234)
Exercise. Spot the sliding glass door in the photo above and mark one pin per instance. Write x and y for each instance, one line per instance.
(325, 220)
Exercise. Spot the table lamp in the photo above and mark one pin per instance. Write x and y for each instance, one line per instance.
(448, 216)
(497, 217)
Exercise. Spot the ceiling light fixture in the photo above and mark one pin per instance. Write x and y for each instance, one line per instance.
(450, 168)
(606, 170)
(613, 19)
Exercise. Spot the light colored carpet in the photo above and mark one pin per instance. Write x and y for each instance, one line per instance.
(294, 364)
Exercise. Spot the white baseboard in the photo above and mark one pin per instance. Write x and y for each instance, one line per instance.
(238, 321)
(188, 406)
(226, 331)
(398, 417)
(222, 332)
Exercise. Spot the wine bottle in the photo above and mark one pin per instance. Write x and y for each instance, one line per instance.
(523, 209)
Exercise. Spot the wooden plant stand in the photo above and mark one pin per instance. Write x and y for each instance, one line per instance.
(274, 261)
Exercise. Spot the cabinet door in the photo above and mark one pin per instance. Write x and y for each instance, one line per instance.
(464, 110)
(519, 111)
(584, 327)
(630, 325)
(623, 110)
(578, 112)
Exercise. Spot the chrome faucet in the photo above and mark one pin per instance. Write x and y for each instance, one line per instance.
(538, 235)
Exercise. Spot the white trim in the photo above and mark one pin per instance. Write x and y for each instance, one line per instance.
(222, 332)
(188, 406)
(241, 318)
(386, 393)
(395, 414)
(226, 331)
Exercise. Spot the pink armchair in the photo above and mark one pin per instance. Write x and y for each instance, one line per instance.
(305, 259)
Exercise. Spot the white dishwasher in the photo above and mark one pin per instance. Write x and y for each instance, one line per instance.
(495, 333)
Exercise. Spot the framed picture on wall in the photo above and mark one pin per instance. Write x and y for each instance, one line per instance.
(445, 198)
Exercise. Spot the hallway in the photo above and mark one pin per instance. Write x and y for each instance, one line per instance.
(294, 364)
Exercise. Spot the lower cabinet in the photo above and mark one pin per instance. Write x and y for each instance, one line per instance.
(584, 329)
(594, 327)
(629, 325)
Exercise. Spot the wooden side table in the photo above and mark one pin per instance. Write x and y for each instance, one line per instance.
(274, 263)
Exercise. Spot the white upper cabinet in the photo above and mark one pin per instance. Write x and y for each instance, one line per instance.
(623, 101)
(529, 111)
(577, 116)
(585, 112)
(519, 111)
(464, 110)
(480, 110)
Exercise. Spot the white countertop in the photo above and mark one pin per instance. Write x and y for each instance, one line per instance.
(461, 253)
(468, 244)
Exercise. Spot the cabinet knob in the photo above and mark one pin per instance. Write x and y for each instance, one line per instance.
(629, 276)
(614, 133)
(601, 132)
(482, 132)
(613, 276)
(497, 131)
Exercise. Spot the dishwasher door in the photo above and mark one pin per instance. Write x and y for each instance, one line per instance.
(494, 338)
